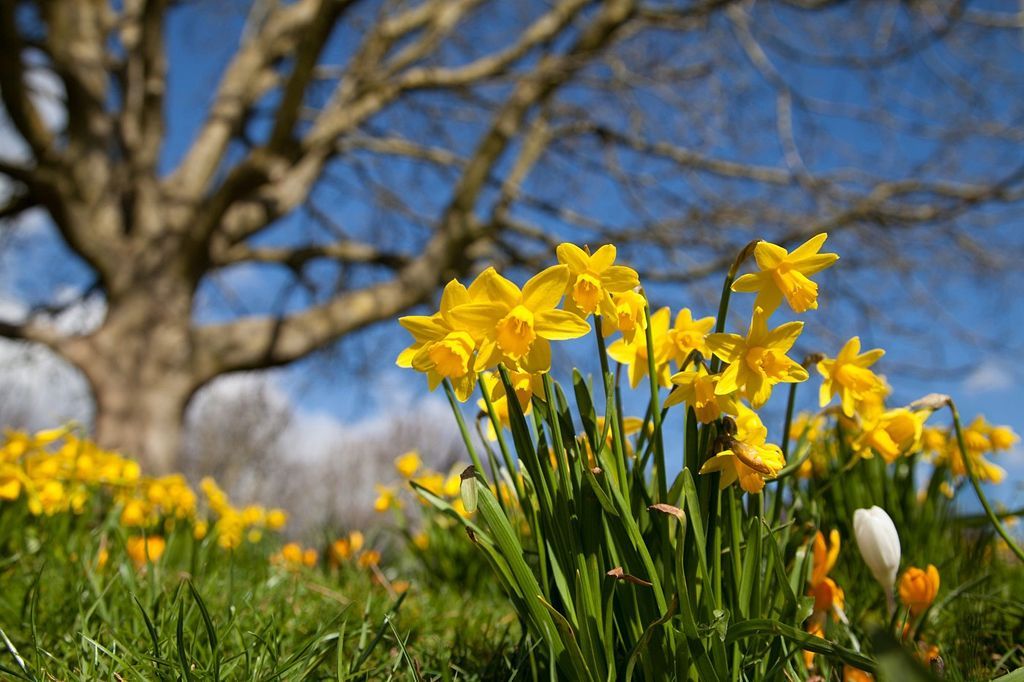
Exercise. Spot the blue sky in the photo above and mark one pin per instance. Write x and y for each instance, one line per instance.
(930, 354)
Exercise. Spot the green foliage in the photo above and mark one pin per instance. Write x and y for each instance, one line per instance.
(202, 613)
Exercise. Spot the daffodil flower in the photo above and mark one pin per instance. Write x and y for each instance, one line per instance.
(688, 335)
(696, 388)
(627, 316)
(786, 275)
(633, 353)
(526, 385)
(594, 277)
(759, 361)
(896, 432)
(516, 326)
(443, 349)
(749, 459)
(848, 377)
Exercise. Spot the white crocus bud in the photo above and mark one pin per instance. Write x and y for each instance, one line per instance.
(879, 544)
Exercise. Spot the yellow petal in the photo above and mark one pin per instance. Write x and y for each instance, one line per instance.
(809, 247)
(619, 278)
(499, 289)
(422, 327)
(869, 358)
(546, 288)
(769, 297)
(758, 389)
(478, 316)
(559, 325)
(815, 263)
(768, 255)
(573, 256)
(538, 359)
(405, 357)
(728, 347)
(728, 381)
(620, 351)
(602, 259)
(749, 283)
(455, 293)
(784, 336)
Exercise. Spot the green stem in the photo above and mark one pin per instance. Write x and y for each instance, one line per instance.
(723, 304)
(1000, 528)
(496, 423)
(450, 392)
(659, 447)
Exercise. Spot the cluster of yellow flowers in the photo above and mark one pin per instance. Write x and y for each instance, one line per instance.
(55, 469)
(409, 467)
(495, 322)
(351, 549)
(232, 524)
(292, 556)
(900, 432)
(58, 471)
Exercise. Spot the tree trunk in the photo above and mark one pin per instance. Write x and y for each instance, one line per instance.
(141, 367)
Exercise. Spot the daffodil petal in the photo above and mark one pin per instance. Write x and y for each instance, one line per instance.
(423, 327)
(573, 256)
(768, 255)
(784, 336)
(478, 316)
(728, 381)
(619, 278)
(620, 351)
(749, 283)
(545, 289)
(499, 289)
(726, 346)
(455, 293)
(809, 247)
(559, 325)
(602, 259)
(538, 359)
(815, 263)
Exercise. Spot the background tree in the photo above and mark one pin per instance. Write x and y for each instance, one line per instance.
(356, 154)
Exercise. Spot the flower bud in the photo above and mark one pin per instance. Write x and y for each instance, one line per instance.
(879, 544)
(918, 588)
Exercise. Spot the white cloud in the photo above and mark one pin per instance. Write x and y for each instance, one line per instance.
(990, 376)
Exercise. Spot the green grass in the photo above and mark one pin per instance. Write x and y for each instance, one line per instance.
(203, 613)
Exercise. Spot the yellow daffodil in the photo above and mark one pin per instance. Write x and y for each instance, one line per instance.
(276, 519)
(387, 498)
(918, 588)
(896, 432)
(408, 464)
(848, 377)
(526, 385)
(759, 361)
(978, 440)
(634, 353)
(442, 348)
(142, 550)
(696, 388)
(628, 316)
(517, 326)
(786, 275)
(748, 459)
(594, 278)
(688, 335)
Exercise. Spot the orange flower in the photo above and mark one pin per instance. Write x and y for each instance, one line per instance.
(918, 588)
(142, 550)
